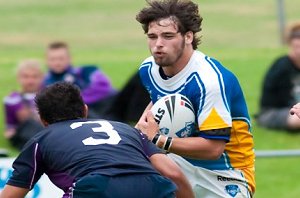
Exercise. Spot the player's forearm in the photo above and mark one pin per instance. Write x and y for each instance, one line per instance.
(196, 147)
(184, 189)
(171, 170)
(13, 192)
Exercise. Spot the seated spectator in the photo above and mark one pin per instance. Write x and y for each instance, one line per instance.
(95, 86)
(22, 121)
(281, 87)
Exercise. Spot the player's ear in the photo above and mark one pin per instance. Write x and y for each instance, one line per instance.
(189, 37)
(85, 111)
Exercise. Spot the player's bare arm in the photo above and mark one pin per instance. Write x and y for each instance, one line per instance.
(13, 192)
(191, 147)
(171, 170)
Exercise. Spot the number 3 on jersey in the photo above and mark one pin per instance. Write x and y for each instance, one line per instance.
(105, 127)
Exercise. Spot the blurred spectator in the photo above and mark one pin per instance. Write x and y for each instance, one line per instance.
(281, 87)
(22, 121)
(95, 86)
(96, 89)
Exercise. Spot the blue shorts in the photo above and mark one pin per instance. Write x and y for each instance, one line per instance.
(128, 186)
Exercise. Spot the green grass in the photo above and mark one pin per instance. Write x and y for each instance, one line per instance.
(241, 34)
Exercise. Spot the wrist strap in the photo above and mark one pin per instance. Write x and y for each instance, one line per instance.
(156, 138)
(168, 144)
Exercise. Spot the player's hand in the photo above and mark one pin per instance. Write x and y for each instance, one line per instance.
(143, 118)
(149, 126)
(295, 110)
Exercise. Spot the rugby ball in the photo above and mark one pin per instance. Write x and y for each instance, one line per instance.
(175, 115)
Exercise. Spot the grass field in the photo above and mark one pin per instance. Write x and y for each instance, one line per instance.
(241, 34)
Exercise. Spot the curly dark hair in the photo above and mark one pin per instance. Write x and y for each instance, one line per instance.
(58, 102)
(186, 15)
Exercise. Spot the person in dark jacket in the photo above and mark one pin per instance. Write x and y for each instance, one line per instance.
(281, 87)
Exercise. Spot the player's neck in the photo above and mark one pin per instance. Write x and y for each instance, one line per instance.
(180, 64)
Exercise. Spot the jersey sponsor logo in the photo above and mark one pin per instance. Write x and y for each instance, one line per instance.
(221, 178)
(232, 190)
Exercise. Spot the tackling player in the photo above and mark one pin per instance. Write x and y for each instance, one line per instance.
(218, 158)
(91, 158)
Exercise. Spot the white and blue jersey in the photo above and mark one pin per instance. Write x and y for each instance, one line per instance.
(218, 102)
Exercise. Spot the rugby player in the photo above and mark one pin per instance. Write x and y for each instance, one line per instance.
(218, 157)
(91, 158)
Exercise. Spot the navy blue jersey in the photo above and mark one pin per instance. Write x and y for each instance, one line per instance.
(67, 151)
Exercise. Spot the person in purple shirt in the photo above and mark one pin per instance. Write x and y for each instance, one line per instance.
(95, 86)
(92, 158)
(21, 118)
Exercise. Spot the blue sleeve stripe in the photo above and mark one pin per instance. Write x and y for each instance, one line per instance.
(227, 160)
(221, 82)
(203, 94)
(217, 137)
